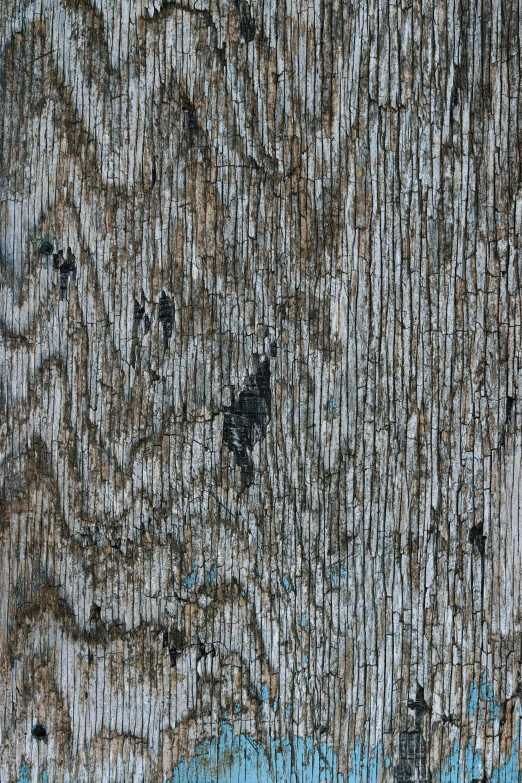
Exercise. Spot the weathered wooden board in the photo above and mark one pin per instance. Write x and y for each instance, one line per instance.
(259, 382)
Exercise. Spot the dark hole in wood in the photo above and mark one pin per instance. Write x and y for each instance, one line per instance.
(46, 247)
(39, 731)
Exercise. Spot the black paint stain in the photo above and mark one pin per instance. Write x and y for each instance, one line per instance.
(66, 266)
(448, 719)
(419, 705)
(412, 745)
(403, 772)
(247, 25)
(245, 420)
(273, 348)
(174, 641)
(39, 732)
(510, 404)
(477, 538)
(510, 401)
(139, 312)
(412, 757)
(139, 315)
(154, 173)
(166, 317)
(454, 101)
(455, 95)
(206, 649)
(190, 121)
(95, 615)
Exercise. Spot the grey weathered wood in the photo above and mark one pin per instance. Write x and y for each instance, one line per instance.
(260, 404)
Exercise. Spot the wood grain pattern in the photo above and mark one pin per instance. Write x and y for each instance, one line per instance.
(260, 400)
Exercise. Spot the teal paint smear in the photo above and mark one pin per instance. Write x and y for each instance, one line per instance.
(298, 760)
(25, 773)
(234, 759)
(335, 575)
(365, 769)
(44, 776)
(509, 772)
(264, 693)
(287, 584)
(332, 405)
(212, 574)
(487, 695)
(303, 621)
(483, 697)
(450, 768)
(452, 771)
(240, 759)
(474, 763)
(191, 580)
(473, 699)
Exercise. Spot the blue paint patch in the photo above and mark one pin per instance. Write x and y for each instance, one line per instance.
(275, 704)
(453, 771)
(509, 772)
(44, 776)
(473, 699)
(332, 405)
(265, 695)
(237, 707)
(212, 574)
(474, 764)
(303, 621)
(191, 580)
(335, 575)
(287, 584)
(487, 695)
(304, 658)
(240, 759)
(483, 697)
(450, 768)
(25, 773)
(365, 767)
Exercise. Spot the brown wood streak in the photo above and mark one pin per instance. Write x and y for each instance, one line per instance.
(329, 192)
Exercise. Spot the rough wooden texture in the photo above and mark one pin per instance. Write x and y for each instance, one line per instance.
(261, 443)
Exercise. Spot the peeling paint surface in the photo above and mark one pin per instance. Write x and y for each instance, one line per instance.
(260, 391)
